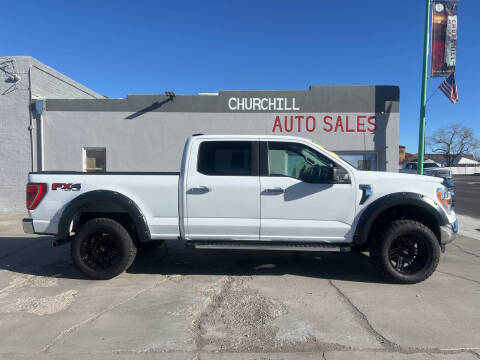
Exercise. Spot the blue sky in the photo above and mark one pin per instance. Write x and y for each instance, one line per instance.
(121, 47)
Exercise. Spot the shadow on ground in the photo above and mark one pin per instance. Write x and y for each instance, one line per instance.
(36, 256)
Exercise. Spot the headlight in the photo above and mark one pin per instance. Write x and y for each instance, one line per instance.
(445, 198)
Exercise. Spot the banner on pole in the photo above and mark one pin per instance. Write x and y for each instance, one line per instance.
(444, 38)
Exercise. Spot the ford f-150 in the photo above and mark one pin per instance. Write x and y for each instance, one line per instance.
(247, 192)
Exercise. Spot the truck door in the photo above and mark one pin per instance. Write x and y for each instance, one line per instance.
(300, 200)
(223, 191)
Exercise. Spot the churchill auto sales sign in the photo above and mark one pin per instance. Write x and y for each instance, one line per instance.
(265, 103)
(326, 123)
(299, 122)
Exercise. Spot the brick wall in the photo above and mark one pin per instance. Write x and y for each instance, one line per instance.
(15, 144)
(16, 158)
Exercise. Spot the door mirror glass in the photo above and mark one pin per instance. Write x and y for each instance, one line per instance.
(317, 174)
(340, 176)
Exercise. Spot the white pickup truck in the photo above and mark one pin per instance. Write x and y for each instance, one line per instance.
(429, 168)
(247, 192)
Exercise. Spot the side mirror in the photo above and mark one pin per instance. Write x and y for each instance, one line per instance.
(340, 176)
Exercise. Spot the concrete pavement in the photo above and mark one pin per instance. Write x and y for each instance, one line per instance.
(180, 303)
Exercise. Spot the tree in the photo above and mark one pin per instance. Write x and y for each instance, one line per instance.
(453, 142)
(477, 155)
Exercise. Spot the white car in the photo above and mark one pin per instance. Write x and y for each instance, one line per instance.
(429, 168)
(247, 192)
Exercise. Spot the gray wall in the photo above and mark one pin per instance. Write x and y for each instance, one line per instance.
(49, 83)
(147, 132)
(17, 143)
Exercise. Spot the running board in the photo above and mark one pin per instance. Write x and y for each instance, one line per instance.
(269, 245)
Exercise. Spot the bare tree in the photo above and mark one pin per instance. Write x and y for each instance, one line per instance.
(453, 142)
(477, 155)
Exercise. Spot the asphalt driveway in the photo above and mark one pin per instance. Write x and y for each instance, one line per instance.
(467, 195)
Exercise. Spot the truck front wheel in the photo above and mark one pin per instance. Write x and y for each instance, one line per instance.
(102, 249)
(406, 252)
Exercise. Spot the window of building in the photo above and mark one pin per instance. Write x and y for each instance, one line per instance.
(300, 162)
(94, 160)
(361, 160)
(225, 158)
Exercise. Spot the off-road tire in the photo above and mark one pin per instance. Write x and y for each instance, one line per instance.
(124, 248)
(381, 251)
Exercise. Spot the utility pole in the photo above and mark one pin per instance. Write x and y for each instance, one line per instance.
(423, 97)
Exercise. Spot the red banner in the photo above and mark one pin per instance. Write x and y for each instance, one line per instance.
(444, 38)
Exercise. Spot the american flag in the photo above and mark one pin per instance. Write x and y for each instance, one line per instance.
(449, 88)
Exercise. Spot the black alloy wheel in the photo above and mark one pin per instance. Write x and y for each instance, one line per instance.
(102, 249)
(406, 252)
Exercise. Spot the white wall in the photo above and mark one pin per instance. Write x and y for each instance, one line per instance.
(468, 170)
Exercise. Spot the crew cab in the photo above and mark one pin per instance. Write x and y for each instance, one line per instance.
(247, 192)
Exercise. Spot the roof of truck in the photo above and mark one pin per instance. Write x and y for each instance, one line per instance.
(243, 136)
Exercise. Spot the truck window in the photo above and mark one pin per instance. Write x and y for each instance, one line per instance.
(223, 158)
(300, 162)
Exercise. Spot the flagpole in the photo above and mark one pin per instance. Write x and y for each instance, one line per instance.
(423, 98)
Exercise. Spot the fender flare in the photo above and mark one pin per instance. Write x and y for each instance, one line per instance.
(82, 201)
(371, 213)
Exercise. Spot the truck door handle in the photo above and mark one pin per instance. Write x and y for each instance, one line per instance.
(198, 190)
(273, 191)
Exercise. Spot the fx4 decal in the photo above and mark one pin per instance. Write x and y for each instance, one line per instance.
(67, 187)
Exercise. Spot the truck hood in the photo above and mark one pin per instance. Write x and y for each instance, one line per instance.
(380, 176)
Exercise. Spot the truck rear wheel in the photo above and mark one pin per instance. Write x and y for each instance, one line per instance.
(102, 249)
(407, 252)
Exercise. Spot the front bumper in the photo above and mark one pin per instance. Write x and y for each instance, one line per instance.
(28, 226)
(448, 233)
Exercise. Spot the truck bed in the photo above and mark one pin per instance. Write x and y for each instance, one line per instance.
(155, 193)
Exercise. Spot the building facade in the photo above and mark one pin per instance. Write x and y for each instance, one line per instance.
(22, 80)
(147, 132)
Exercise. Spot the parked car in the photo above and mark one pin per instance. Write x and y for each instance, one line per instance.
(429, 168)
(247, 192)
